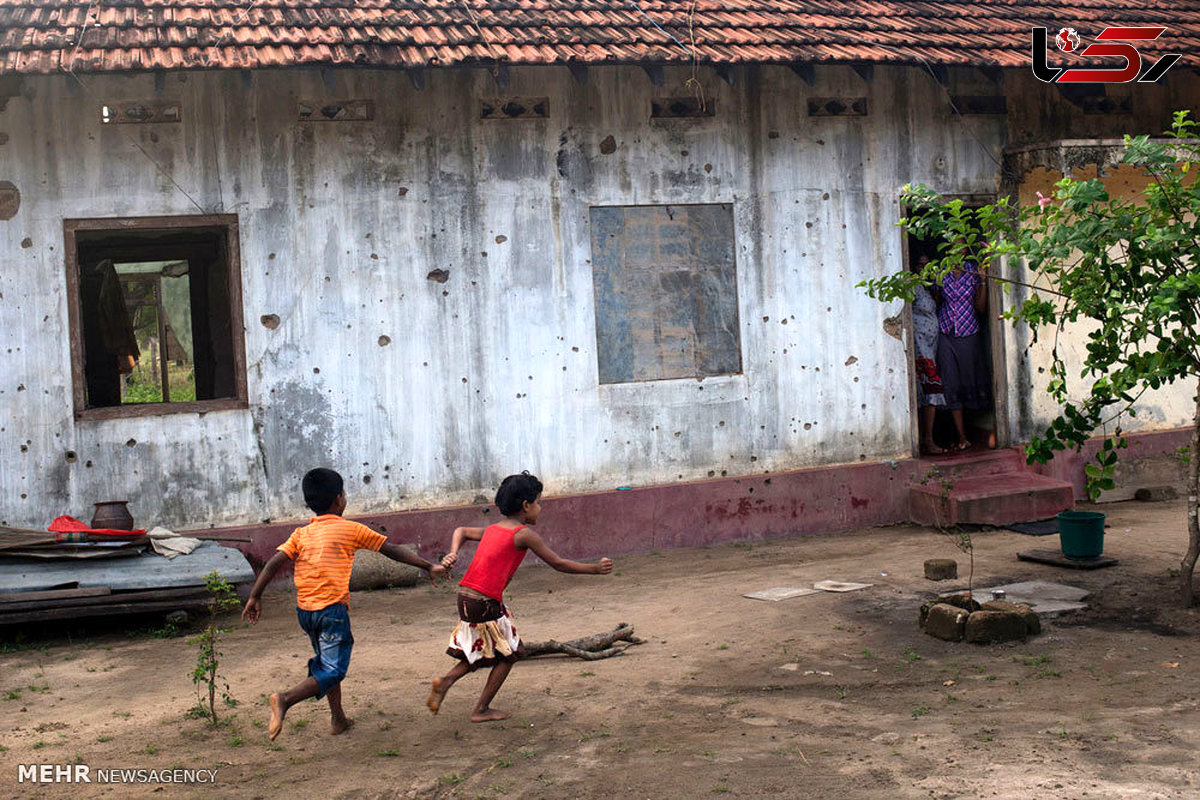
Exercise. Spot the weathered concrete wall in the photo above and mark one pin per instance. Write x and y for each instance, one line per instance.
(494, 370)
(1040, 112)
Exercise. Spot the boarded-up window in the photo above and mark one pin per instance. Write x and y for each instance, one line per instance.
(666, 292)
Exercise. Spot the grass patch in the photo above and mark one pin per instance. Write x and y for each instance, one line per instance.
(1032, 661)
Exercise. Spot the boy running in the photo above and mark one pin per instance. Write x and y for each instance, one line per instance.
(323, 552)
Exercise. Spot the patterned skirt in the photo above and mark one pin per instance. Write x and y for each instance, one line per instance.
(485, 634)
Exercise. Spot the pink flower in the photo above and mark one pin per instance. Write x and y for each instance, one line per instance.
(1043, 201)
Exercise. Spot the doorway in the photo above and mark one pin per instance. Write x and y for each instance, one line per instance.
(960, 377)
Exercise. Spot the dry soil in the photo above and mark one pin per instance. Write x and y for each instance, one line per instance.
(825, 696)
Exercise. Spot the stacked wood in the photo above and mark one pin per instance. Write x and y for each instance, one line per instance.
(589, 648)
(95, 601)
(66, 588)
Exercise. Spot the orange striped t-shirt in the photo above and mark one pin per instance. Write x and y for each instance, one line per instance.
(324, 554)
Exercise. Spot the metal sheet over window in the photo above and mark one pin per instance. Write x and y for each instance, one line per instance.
(666, 292)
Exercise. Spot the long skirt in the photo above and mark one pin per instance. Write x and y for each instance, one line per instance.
(966, 379)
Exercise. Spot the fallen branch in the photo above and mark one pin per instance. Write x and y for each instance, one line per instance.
(589, 648)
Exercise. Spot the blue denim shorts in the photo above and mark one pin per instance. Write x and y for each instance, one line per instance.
(329, 631)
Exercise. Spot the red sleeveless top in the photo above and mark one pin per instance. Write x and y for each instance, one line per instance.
(495, 562)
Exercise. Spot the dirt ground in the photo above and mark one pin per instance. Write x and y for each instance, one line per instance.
(1103, 704)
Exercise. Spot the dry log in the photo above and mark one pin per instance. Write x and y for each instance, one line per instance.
(589, 648)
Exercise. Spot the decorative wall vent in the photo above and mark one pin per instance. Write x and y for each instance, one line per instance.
(980, 103)
(676, 107)
(336, 111)
(515, 108)
(139, 112)
(837, 106)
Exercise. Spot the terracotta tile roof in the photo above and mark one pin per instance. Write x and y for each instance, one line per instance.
(45, 36)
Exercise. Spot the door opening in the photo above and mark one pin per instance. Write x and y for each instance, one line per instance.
(956, 364)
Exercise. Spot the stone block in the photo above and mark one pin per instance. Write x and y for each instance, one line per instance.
(992, 627)
(375, 571)
(1033, 625)
(946, 622)
(941, 569)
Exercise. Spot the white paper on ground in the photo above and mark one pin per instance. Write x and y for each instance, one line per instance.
(840, 586)
(779, 593)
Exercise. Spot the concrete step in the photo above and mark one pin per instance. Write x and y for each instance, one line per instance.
(989, 499)
(972, 462)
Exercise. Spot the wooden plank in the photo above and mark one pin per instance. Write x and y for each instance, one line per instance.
(23, 537)
(100, 610)
(52, 594)
(79, 602)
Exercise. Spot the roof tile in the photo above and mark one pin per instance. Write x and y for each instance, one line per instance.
(123, 35)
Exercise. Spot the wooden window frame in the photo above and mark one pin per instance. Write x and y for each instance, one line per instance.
(228, 222)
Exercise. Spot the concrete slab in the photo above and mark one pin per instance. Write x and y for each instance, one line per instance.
(1046, 598)
(1044, 589)
(780, 593)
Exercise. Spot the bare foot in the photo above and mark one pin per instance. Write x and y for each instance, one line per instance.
(436, 695)
(489, 715)
(340, 726)
(932, 449)
(277, 712)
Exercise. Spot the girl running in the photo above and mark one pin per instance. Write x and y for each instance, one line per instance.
(485, 635)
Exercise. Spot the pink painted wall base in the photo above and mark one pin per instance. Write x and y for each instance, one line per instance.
(747, 508)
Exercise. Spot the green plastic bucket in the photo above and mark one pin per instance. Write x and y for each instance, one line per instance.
(1081, 534)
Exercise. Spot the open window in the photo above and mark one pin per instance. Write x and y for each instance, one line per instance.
(156, 315)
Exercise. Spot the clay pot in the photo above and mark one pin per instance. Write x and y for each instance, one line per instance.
(113, 514)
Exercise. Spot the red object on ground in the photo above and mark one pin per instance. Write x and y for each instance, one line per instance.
(65, 524)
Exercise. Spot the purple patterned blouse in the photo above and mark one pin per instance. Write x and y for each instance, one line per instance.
(956, 316)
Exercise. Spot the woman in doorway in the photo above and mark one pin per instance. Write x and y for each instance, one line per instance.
(966, 381)
(925, 343)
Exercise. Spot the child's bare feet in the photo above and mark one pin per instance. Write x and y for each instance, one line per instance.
(437, 693)
(277, 712)
(489, 715)
(340, 726)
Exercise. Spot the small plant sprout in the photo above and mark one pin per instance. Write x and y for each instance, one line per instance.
(222, 598)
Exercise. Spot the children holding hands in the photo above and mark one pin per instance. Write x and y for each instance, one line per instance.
(323, 553)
